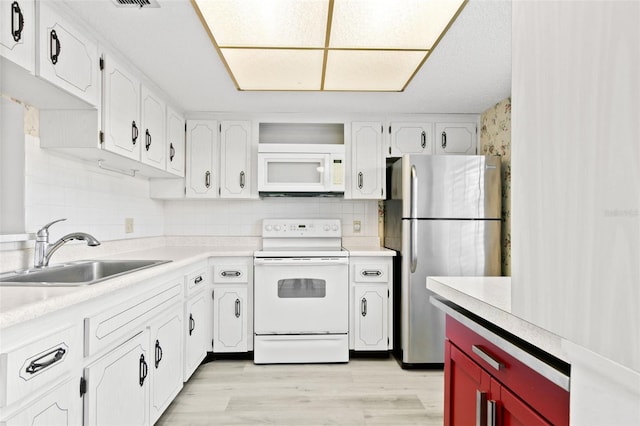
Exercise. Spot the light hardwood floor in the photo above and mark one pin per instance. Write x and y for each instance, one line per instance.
(365, 391)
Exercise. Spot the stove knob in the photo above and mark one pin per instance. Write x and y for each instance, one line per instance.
(334, 227)
(277, 228)
(326, 227)
(268, 228)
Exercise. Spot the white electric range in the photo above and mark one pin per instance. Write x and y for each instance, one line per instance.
(301, 293)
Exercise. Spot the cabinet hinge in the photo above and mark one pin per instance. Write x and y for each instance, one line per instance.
(213, 292)
(101, 63)
(389, 150)
(219, 191)
(101, 136)
(185, 127)
(388, 293)
(83, 386)
(381, 128)
(220, 127)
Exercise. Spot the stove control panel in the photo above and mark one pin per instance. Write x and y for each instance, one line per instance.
(301, 228)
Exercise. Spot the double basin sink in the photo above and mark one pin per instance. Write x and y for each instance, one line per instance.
(80, 273)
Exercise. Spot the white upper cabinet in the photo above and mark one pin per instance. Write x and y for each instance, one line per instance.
(410, 138)
(153, 115)
(18, 32)
(456, 138)
(175, 142)
(121, 110)
(202, 167)
(67, 57)
(367, 161)
(236, 149)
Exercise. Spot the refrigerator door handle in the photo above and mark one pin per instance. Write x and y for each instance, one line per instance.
(413, 226)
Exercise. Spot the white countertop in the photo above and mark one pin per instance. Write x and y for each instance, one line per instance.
(490, 299)
(18, 304)
(361, 251)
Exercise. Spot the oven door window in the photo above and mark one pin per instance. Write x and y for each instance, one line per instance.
(302, 288)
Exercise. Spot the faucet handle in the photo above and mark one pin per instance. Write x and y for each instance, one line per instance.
(44, 231)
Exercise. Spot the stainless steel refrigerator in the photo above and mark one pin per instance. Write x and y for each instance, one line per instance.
(442, 216)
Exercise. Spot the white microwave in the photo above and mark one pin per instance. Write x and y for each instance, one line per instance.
(300, 169)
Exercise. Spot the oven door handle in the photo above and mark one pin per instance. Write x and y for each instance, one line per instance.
(301, 261)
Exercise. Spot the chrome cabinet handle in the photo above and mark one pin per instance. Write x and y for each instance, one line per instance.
(371, 273)
(192, 324)
(134, 132)
(230, 273)
(147, 139)
(158, 353)
(46, 360)
(53, 39)
(360, 180)
(172, 151)
(198, 279)
(143, 369)
(363, 307)
(492, 413)
(481, 408)
(242, 179)
(16, 32)
(497, 365)
(423, 140)
(237, 308)
(207, 179)
(443, 141)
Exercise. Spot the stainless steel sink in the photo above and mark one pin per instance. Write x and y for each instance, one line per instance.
(84, 272)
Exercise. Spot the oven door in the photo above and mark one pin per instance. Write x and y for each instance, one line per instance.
(301, 295)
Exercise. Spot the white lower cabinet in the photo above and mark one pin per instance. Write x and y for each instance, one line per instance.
(230, 319)
(118, 385)
(62, 406)
(166, 342)
(371, 282)
(197, 336)
(370, 306)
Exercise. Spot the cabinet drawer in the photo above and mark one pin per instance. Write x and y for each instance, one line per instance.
(546, 397)
(118, 322)
(370, 272)
(196, 280)
(29, 368)
(231, 273)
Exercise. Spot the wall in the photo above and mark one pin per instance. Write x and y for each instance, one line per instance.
(495, 139)
(93, 200)
(244, 217)
(576, 180)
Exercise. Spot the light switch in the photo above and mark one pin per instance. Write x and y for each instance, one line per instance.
(356, 226)
(128, 225)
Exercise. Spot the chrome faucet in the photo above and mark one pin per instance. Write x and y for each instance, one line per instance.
(44, 250)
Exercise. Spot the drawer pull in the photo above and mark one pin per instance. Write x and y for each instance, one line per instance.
(46, 360)
(497, 365)
(192, 324)
(363, 307)
(198, 279)
(158, 353)
(143, 369)
(237, 308)
(230, 273)
(371, 273)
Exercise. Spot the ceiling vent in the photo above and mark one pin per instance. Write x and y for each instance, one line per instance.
(136, 3)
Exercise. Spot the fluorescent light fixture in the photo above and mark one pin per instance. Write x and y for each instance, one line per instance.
(330, 45)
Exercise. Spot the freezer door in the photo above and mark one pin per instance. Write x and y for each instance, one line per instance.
(451, 186)
(439, 248)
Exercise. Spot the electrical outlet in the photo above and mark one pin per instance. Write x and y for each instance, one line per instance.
(356, 226)
(128, 225)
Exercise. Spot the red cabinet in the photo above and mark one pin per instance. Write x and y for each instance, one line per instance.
(484, 385)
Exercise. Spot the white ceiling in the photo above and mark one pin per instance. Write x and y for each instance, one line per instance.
(469, 71)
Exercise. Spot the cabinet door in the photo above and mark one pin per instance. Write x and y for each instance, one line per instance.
(370, 307)
(175, 142)
(509, 410)
(202, 151)
(123, 133)
(153, 129)
(197, 335)
(18, 32)
(118, 385)
(466, 389)
(230, 319)
(367, 161)
(411, 138)
(66, 57)
(235, 159)
(167, 365)
(62, 406)
(456, 138)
